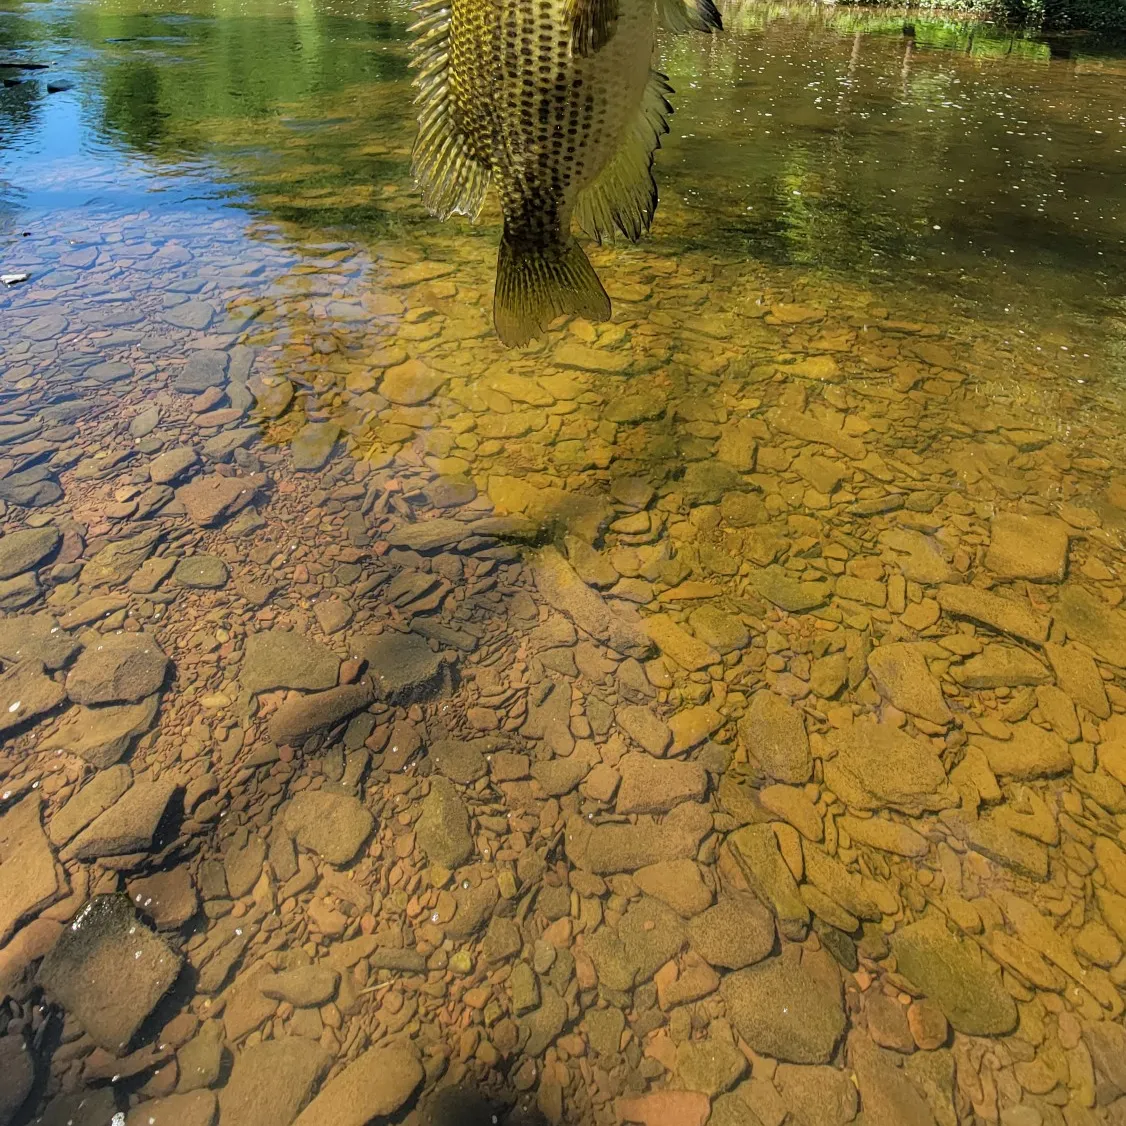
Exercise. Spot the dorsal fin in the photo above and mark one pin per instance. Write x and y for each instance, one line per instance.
(624, 196)
(451, 180)
(689, 15)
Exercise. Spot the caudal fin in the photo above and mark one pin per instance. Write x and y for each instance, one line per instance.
(537, 284)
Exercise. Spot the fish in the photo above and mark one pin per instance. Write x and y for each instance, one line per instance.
(555, 104)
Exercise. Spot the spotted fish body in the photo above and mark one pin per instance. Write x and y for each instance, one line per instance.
(554, 103)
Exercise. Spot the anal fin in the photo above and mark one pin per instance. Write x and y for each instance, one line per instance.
(624, 196)
(450, 178)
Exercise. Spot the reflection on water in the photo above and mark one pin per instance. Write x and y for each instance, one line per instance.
(714, 712)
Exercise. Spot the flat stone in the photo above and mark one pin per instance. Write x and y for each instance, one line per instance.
(191, 314)
(201, 572)
(817, 1095)
(645, 728)
(25, 549)
(410, 383)
(705, 482)
(755, 850)
(443, 826)
(129, 825)
(18, 592)
(562, 588)
(1028, 547)
(679, 645)
(121, 668)
(712, 1066)
(173, 463)
(271, 1082)
(888, 836)
(93, 799)
(609, 848)
(989, 836)
(302, 716)
(204, 369)
(901, 676)
(279, 658)
(888, 1096)
(462, 761)
(102, 735)
(117, 561)
(784, 1011)
(334, 826)
(26, 692)
(429, 535)
(571, 353)
(200, 1060)
(651, 785)
(773, 733)
(949, 971)
(168, 898)
(676, 883)
(17, 1065)
(691, 726)
(720, 629)
(29, 880)
(736, 932)
(108, 372)
(665, 1108)
(1032, 752)
(314, 444)
(36, 637)
(1005, 615)
(1001, 666)
(106, 946)
(1088, 619)
(403, 666)
(877, 766)
(1077, 674)
(195, 1108)
(304, 987)
(213, 498)
(777, 585)
(374, 1086)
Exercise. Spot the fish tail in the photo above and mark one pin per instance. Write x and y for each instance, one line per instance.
(537, 283)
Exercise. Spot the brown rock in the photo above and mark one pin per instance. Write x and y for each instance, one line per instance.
(29, 880)
(665, 1108)
(375, 1086)
(271, 1081)
(213, 498)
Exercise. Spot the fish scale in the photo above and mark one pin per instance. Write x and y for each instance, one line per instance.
(554, 103)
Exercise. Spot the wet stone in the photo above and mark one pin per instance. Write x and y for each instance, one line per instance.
(172, 464)
(949, 972)
(302, 716)
(107, 945)
(737, 932)
(334, 826)
(676, 883)
(99, 793)
(196, 1108)
(201, 572)
(902, 677)
(129, 825)
(29, 880)
(212, 499)
(204, 369)
(119, 669)
(776, 585)
(314, 445)
(17, 1065)
(645, 728)
(271, 1081)
(712, 1066)
(817, 1095)
(773, 733)
(784, 1011)
(443, 826)
(403, 666)
(374, 1086)
(168, 898)
(652, 785)
(26, 693)
(1028, 547)
(102, 735)
(462, 761)
(117, 561)
(286, 659)
(25, 549)
(36, 637)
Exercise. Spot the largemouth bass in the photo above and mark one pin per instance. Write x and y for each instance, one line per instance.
(556, 104)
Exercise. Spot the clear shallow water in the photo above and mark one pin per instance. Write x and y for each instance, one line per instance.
(868, 366)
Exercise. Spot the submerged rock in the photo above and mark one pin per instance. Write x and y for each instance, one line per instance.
(271, 1081)
(29, 878)
(376, 1085)
(121, 668)
(108, 970)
